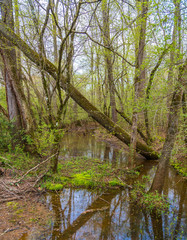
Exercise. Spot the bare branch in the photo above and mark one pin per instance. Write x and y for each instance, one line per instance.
(107, 47)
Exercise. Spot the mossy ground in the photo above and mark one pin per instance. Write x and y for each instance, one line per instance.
(86, 173)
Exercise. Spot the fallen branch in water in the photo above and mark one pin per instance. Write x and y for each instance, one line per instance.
(126, 185)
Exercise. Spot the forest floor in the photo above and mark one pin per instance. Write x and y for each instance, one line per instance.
(21, 211)
(20, 218)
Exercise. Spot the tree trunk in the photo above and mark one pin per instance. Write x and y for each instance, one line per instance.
(17, 105)
(184, 108)
(139, 76)
(127, 119)
(106, 122)
(108, 59)
(176, 103)
(159, 178)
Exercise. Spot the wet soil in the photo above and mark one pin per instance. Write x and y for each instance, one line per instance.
(23, 217)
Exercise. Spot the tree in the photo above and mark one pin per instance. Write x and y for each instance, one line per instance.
(18, 109)
(75, 94)
(139, 77)
(175, 107)
(108, 58)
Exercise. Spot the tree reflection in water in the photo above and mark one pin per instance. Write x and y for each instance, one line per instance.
(80, 214)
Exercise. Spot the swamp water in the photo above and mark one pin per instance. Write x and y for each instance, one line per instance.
(82, 214)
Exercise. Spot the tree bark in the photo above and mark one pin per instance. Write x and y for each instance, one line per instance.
(184, 109)
(106, 122)
(139, 76)
(159, 178)
(17, 106)
(122, 114)
(108, 59)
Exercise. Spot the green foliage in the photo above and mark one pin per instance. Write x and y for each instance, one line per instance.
(44, 138)
(180, 167)
(86, 173)
(12, 205)
(83, 179)
(179, 153)
(147, 200)
(6, 128)
(116, 182)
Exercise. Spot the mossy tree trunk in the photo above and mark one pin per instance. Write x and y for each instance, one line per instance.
(175, 107)
(101, 118)
(139, 77)
(109, 58)
(18, 108)
(176, 103)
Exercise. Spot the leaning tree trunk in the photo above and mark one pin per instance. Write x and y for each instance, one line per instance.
(158, 181)
(101, 118)
(176, 103)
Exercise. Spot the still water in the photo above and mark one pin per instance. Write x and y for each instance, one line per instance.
(82, 214)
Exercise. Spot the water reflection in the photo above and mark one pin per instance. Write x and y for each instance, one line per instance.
(80, 214)
(86, 145)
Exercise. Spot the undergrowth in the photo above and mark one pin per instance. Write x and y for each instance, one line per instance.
(147, 200)
(86, 173)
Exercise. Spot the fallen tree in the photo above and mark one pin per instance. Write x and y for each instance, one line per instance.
(127, 119)
(93, 112)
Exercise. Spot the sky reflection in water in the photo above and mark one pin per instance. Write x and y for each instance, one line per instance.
(80, 214)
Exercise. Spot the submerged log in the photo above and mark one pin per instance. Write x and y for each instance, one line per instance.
(101, 118)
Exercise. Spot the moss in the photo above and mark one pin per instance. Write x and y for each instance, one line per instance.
(116, 182)
(84, 172)
(83, 179)
(53, 186)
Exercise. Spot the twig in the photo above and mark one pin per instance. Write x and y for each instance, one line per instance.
(8, 190)
(104, 200)
(9, 199)
(39, 178)
(9, 230)
(6, 159)
(125, 183)
(5, 231)
(32, 169)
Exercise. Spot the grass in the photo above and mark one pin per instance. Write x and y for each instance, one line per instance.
(83, 172)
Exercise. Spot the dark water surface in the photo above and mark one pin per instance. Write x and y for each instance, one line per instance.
(81, 214)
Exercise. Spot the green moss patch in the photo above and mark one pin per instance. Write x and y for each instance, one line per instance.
(84, 172)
